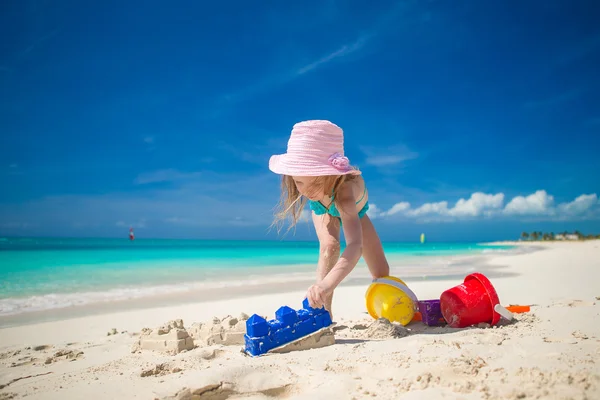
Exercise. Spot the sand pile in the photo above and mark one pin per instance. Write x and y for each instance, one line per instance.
(227, 331)
(170, 338)
(254, 380)
(384, 329)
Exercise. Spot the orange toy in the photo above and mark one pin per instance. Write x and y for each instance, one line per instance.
(518, 309)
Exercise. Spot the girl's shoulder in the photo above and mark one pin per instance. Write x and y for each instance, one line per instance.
(355, 187)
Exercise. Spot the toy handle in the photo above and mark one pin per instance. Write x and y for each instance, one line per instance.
(503, 311)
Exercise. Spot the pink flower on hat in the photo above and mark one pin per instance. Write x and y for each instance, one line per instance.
(339, 161)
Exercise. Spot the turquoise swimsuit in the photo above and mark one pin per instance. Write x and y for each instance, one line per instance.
(320, 209)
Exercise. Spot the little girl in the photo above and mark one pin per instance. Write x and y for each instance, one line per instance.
(316, 169)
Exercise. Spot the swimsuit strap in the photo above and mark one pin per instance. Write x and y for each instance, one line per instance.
(363, 195)
(332, 198)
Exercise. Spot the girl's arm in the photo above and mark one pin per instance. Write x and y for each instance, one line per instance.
(353, 236)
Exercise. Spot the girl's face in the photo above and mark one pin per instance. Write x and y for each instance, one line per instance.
(306, 187)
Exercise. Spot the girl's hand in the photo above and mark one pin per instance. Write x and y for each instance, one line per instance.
(316, 295)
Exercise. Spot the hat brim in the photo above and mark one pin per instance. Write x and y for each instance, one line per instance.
(281, 164)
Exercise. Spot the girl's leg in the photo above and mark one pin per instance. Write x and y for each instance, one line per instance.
(373, 250)
(328, 232)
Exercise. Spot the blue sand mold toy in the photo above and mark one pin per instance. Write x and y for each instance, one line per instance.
(288, 325)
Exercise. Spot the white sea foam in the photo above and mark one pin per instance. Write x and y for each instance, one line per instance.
(18, 305)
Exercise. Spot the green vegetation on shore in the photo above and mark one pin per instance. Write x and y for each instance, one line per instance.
(536, 235)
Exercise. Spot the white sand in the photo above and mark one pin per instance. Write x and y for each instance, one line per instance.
(553, 352)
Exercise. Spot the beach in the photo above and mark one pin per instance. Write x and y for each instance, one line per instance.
(550, 352)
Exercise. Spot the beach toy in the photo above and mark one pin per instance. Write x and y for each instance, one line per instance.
(518, 309)
(503, 312)
(390, 298)
(289, 325)
(430, 311)
(470, 303)
(419, 318)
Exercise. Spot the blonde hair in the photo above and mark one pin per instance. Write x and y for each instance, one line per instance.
(292, 203)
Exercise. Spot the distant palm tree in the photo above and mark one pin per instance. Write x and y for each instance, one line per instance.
(534, 235)
(525, 235)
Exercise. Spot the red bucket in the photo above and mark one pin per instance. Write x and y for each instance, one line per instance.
(470, 303)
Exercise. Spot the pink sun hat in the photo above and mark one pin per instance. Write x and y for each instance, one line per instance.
(315, 148)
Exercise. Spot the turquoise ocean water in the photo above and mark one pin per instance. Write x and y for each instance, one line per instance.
(46, 273)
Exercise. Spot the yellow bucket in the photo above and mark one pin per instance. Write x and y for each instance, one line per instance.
(390, 298)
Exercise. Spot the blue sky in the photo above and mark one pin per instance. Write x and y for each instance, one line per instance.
(163, 115)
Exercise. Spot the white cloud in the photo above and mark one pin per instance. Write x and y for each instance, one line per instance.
(343, 51)
(397, 208)
(384, 160)
(164, 175)
(439, 208)
(384, 157)
(149, 139)
(580, 205)
(539, 204)
(239, 221)
(479, 204)
(13, 166)
(374, 211)
(139, 224)
(179, 221)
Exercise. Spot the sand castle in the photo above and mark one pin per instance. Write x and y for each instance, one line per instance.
(227, 331)
(171, 338)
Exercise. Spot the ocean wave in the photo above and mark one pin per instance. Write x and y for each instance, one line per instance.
(510, 251)
(497, 251)
(18, 305)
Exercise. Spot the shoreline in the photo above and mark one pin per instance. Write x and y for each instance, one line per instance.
(142, 308)
(411, 269)
(536, 242)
